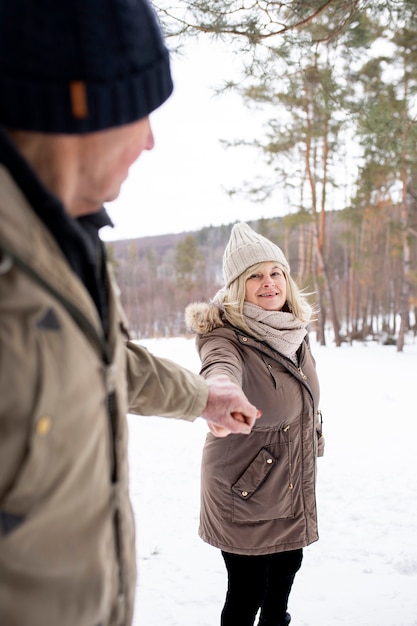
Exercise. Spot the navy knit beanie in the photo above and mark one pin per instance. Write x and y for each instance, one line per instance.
(79, 66)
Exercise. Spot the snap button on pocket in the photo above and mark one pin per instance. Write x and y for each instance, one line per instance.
(44, 425)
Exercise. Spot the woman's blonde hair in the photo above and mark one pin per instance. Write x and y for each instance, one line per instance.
(233, 299)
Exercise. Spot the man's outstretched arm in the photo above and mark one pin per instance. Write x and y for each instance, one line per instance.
(158, 386)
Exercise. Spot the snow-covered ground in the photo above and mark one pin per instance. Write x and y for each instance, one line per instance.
(363, 570)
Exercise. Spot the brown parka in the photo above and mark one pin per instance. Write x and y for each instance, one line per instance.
(258, 491)
(67, 546)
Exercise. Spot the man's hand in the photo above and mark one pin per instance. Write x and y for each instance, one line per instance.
(228, 410)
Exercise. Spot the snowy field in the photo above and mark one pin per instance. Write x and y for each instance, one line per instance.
(363, 570)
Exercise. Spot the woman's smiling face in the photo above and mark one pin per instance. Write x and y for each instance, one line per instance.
(267, 287)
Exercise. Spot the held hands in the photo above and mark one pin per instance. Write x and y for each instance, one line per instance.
(228, 410)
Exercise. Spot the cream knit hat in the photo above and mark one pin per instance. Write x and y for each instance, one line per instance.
(246, 248)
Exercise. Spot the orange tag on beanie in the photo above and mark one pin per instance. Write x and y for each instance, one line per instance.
(78, 93)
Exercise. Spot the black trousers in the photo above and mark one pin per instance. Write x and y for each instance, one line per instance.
(259, 582)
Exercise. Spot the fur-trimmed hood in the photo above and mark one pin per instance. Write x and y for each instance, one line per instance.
(203, 317)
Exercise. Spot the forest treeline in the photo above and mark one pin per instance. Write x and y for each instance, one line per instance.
(159, 276)
(335, 82)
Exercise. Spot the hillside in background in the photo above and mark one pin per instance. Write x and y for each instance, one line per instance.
(158, 276)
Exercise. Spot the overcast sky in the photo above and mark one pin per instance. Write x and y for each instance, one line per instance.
(180, 185)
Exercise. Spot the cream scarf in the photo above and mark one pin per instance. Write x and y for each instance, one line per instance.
(282, 331)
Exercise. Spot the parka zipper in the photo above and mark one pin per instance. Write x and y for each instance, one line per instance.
(300, 370)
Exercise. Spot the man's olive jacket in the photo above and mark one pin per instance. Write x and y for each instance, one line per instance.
(67, 553)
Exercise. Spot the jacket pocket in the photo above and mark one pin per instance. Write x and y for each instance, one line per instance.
(254, 475)
(264, 490)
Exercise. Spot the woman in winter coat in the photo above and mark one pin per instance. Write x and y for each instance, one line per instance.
(258, 502)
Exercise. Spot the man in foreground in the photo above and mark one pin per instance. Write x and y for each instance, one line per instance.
(78, 80)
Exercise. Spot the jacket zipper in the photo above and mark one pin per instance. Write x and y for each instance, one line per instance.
(300, 370)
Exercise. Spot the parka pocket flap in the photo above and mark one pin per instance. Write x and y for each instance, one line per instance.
(254, 475)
